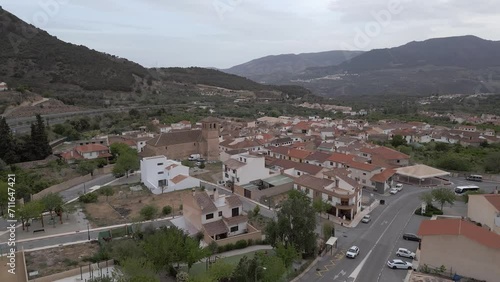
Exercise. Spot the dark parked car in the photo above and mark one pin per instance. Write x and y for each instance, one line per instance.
(411, 237)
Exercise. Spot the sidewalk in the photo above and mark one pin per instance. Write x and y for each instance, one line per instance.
(245, 250)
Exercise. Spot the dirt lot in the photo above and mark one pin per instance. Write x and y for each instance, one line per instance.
(50, 261)
(213, 172)
(124, 206)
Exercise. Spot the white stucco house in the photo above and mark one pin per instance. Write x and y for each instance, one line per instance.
(162, 175)
(242, 168)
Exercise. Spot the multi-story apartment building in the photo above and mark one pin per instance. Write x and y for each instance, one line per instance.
(242, 168)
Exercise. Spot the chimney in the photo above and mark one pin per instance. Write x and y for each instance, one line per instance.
(216, 194)
(194, 191)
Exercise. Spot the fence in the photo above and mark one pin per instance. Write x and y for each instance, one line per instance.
(82, 273)
(253, 234)
(72, 182)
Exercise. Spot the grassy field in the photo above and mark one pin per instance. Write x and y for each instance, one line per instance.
(200, 268)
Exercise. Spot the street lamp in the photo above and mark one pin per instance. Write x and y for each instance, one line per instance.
(88, 230)
(257, 271)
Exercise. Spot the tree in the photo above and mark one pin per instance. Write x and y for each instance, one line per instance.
(39, 140)
(28, 211)
(87, 167)
(8, 147)
(328, 231)
(107, 191)
(321, 206)
(256, 211)
(69, 209)
(126, 163)
(443, 196)
(166, 210)
(135, 269)
(286, 254)
(295, 224)
(192, 252)
(427, 198)
(398, 140)
(220, 271)
(149, 212)
(245, 270)
(4, 196)
(492, 162)
(275, 268)
(51, 202)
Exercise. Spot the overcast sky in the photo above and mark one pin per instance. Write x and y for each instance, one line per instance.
(223, 33)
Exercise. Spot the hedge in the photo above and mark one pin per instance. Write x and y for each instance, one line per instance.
(429, 211)
(241, 244)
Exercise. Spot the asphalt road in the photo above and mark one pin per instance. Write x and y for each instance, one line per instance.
(377, 240)
(486, 186)
(70, 238)
(75, 191)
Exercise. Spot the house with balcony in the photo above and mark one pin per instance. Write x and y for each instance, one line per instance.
(485, 209)
(363, 172)
(162, 175)
(219, 217)
(336, 189)
(240, 169)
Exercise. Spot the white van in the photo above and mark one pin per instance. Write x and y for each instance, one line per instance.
(399, 187)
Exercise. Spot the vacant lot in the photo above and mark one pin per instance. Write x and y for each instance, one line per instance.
(211, 172)
(59, 259)
(124, 205)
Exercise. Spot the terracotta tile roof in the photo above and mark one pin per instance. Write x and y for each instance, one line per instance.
(307, 168)
(233, 201)
(494, 199)
(459, 227)
(104, 155)
(340, 158)
(178, 178)
(385, 153)
(298, 154)
(230, 221)
(234, 164)
(71, 155)
(91, 148)
(204, 202)
(318, 156)
(282, 150)
(177, 137)
(383, 176)
(342, 174)
(215, 228)
(362, 166)
(313, 182)
(301, 126)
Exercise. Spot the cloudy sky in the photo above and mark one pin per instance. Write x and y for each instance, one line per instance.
(223, 33)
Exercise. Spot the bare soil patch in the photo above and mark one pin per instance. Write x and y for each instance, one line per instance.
(124, 206)
(59, 259)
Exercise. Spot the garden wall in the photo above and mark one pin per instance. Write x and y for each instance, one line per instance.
(97, 269)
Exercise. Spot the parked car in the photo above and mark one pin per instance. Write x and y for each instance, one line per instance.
(393, 191)
(399, 187)
(221, 182)
(411, 237)
(366, 218)
(402, 252)
(399, 264)
(352, 252)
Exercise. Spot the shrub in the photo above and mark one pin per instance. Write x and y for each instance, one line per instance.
(250, 242)
(166, 210)
(241, 244)
(149, 212)
(429, 211)
(88, 198)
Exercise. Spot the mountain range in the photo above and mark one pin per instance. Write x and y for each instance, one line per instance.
(278, 67)
(31, 58)
(463, 64)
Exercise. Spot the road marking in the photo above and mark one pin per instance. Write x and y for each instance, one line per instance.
(327, 268)
(356, 271)
(392, 251)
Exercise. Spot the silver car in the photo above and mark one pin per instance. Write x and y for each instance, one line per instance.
(352, 252)
(366, 218)
(399, 264)
(402, 252)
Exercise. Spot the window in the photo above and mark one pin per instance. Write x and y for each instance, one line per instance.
(307, 190)
(159, 164)
(329, 198)
(235, 212)
(194, 144)
(234, 228)
(209, 216)
(364, 173)
(220, 214)
(160, 172)
(298, 173)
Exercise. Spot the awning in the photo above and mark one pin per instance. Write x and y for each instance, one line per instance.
(332, 241)
(421, 172)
